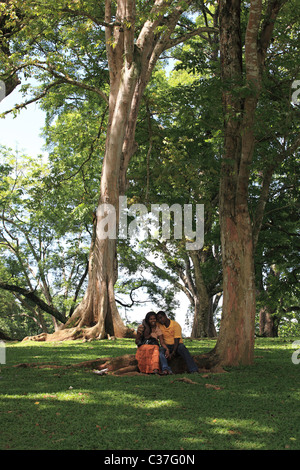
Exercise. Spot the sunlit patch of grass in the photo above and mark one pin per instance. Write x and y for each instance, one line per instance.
(245, 408)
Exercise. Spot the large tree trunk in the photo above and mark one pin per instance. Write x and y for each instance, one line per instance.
(130, 66)
(235, 343)
(98, 308)
(97, 314)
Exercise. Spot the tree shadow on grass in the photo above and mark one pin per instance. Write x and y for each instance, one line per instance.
(248, 408)
(74, 409)
(66, 353)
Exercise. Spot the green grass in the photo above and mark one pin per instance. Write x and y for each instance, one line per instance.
(249, 408)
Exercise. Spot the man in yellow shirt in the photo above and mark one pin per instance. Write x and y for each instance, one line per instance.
(171, 331)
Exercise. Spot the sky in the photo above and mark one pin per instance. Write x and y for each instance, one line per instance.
(23, 134)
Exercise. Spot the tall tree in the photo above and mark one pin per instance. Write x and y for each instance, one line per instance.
(133, 48)
(242, 84)
(136, 35)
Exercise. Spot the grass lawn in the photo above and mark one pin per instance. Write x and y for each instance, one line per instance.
(246, 408)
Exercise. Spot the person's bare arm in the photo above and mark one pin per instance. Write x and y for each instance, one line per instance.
(139, 333)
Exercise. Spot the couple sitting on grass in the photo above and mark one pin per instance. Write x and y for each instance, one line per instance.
(153, 359)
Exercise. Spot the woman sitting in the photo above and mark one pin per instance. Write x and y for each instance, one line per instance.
(147, 338)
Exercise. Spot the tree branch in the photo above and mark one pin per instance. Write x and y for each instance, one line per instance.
(130, 295)
(267, 28)
(33, 100)
(32, 297)
(189, 35)
(60, 80)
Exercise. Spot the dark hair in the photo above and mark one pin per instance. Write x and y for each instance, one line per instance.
(149, 314)
(161, 313)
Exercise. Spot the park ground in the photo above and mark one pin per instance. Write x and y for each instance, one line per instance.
(244, 408)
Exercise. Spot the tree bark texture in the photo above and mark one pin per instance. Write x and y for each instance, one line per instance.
(268, 323)
(235, 343)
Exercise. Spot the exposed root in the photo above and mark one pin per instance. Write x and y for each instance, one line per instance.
(68, 334)
(124, 365)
